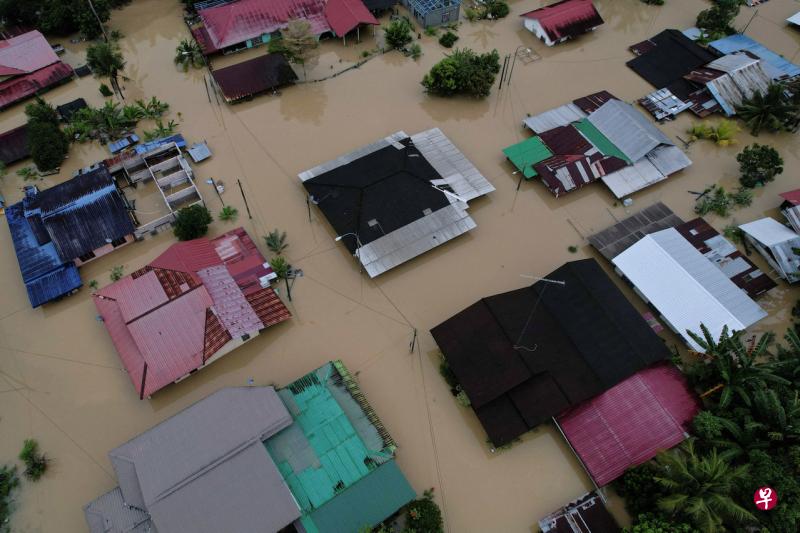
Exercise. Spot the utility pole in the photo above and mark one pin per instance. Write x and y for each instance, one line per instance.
(102, 29)
(248, 208)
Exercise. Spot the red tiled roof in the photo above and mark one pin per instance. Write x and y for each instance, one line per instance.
(25, 54)
(18, 88)
(793, 197)
(631, 422)
(345, 15)
(567, 18)
(175, 313)
(234, 23)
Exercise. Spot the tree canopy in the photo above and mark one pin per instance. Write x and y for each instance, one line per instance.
(463, 72)
(759, 164)
(48, 145)
(398, 33)
(192, 222)
(717, 19)
(59, 17)
(773, 110)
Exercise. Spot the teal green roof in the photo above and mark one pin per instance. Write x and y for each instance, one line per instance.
(526, 154)
(599, 140)
(367, 503)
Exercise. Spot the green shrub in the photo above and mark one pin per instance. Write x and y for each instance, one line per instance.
(463, 399)
(572, 249)
(117, 273)
(228, 213)
(276, 241)
(497, 10)
(758, 164)
(192, 222)
(48, 145)
(448, 39)
(463, 72)
(471, 14)
(35, 461)
(9, 480)
(639, 488)
(431, 31)
(415, 51)
(651, 523)
(654, 2)
(423, 515)
(447, 373)
(398, 33)
(105, 91)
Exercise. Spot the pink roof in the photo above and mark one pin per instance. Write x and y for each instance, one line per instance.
(792, 197)
(158, 317)
(17, 88)
(566, 18)
(234, 23)
(25, 53)
(631, 422)
(346, 15)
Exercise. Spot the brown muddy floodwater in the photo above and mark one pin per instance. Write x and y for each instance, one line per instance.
(61, 380)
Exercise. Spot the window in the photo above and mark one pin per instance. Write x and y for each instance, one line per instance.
(87, 256)
(118, 242)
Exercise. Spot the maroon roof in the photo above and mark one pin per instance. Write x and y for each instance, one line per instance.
(591, 103)
(566, 18)
(17, 88)
(14, 145)
(631, 422)
(344, 16)
(793, 197)
(254, 76)
(25, 54)
(168, 318)
(200, 34)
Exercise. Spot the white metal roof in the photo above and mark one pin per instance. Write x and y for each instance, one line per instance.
(794, 19)
(768, 231)
(685, 287)
(560, 116)
(629, 130)
(630, 179)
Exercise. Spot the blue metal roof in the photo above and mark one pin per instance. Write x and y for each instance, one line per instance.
(426, 6)
(45, 275)
(736, 42)
(146, 147)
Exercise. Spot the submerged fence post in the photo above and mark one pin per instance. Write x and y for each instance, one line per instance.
(245, 202)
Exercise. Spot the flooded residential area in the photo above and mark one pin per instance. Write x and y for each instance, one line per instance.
(63, 375)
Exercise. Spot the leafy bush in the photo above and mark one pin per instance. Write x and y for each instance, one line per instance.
(228, 213)
(415, 51)
(35, 461)
(398, 33)
(639, 488)
(718, 18)
(722, 134)
(192, 222)
(448, 39)
(424, 515)
(276, 241)
(447, 373)
(463, 399)
(572, 249)
(652, 523)
(431, 31)
(733, 233)
(9, 480)
(471, 14)
(105, 91)
(758, 164)
(497, 10)
(654, 2)
(463, 72)
(48, 145)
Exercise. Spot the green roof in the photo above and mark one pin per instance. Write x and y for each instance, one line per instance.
(367, 503)
(599, 140)
(526, 154)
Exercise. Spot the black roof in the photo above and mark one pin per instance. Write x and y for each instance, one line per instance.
(83, 214)
(14, 145)
(524, 356)
(390, 186)
(379, 5)
(67, 110)
(254, 76)
(673, 56)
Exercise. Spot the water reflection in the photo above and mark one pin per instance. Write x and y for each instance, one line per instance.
(304, 103)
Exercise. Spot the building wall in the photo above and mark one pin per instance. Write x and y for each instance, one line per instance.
(106, 249)
(443, 15)
(533, 26)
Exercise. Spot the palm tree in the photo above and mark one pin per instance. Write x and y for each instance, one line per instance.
(188, 53)
(699, 488)
(276, 241)
(735, 367)
(281, 267)
(772, 110)
(228, 213)
(106, 59)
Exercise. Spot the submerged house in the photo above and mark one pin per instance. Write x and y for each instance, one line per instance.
(397, 198)
(731, 79)
(791, 208)
(254, 76)
(778, 68)
(29, 66)
(586, 514)
(602, 139)
(563, 20)
(431, 13)
(631, 422)
(14, 145)
(684, 287)
(194, 303)
(254, 459)
(56, 230)
(778, 244)
(526, 356)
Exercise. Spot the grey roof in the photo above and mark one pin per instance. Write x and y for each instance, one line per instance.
(206, 466)
(792, 214)
(744, 77)
(629, 130)
(109, 514)
(554, 118)
(615, 239)
(668, 159)
(777, 244)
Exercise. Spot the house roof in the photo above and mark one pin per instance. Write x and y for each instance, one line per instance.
(25, 54)
(344, 16)
(205, 469)
(46, 276)
(14, 145)
(524, 155)
(233, 23)
(567, 114)
(566, 18)
(168, 318)
(743, 77)
(254, 76)
(66, 111)
(109, 514)
(387, 193)
(781, 242)
(618, 237)
(627, 129)
(775, 65)
(525, 356)
(22, 86)
(587, 514)
(83, 213)
(688, 290)
(666, 58)
(631, 422)
(792, 197)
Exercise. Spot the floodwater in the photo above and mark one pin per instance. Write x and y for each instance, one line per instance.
(61, 380)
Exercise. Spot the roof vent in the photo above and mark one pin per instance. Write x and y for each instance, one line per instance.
(427, 211)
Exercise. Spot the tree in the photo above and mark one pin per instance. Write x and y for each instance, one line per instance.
(497, 9)
(652, 523)
(297, 43)
(463, 72)
(35, 461)
(700, 489)
(188, 53)
(41, 111)
(228, 213)
(276, 241)
(639, 488)
(281, 267)
(424, 515)
(192, 222)
(106, 59)
(9, 481)
(448, 39)
(718, 18)
(758, 164)
(772, 110)
(59, 17)
(48, 145)
(398, 33)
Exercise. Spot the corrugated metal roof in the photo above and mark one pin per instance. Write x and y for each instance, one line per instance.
(743, 79)
(627, 129)
(587, 514)
(18, 88)
(618, 237)
(344, 16)
(109, 514)
(599, 140)
(25, 53)
(368, 502)
(630, 423)
(567, 18)
(254, 76)
(781, 243)
(230, 305)
(668, 159)
(778, 66)
(14, 145)
(527, 153)
(560, 116)
(792, 215)
(794, 19)
(628, 180)
(687, 290)
(792, 197)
